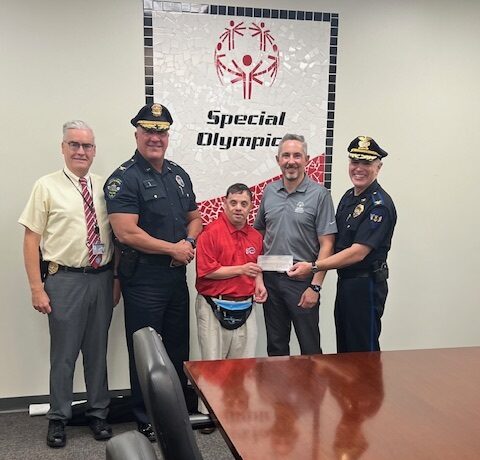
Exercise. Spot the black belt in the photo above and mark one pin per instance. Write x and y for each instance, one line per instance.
(345, 274)
(154, 259)
(231, 298)
(89, 270)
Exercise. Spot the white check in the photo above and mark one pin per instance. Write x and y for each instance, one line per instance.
(275, 263)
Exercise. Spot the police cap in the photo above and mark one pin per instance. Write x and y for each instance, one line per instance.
(365, 148)
(153, 116)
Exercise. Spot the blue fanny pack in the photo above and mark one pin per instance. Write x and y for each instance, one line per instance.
(232, 305)
(229, 313)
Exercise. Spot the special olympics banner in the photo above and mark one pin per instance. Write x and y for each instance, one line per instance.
(237, 79)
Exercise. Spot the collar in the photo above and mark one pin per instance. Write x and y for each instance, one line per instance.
(301, 187)
(373, 186)
(230, 227)
(368, 191)
(75, 178)
(146, 166)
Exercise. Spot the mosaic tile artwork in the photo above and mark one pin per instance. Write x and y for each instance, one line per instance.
(236, 79)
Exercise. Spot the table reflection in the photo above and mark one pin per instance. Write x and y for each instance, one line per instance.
(292, 413)
(357, 386)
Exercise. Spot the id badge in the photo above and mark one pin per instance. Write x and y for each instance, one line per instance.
(98, 248)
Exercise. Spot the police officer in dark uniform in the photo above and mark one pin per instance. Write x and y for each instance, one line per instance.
(153, 213)
(366, 218)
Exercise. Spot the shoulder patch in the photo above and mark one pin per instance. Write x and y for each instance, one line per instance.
(376, 217)
(113, 186)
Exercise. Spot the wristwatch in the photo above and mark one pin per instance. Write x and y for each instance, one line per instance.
(315, 269)
(316, 287)
(191, 241)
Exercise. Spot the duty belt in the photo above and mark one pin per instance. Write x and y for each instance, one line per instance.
(376, 269)
(344, 274)
(154, 259)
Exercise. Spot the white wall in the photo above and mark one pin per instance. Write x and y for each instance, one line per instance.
(406, 76)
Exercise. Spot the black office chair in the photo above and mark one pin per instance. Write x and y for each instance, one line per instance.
(163, 397)
(130, 446)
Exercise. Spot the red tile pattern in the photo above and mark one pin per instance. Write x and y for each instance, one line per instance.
(210, 209)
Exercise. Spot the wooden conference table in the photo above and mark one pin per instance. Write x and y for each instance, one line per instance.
(417, 404)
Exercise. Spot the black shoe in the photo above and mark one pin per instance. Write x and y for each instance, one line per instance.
(56, 434)
(208, 430)
(100, 428)
(147, 431)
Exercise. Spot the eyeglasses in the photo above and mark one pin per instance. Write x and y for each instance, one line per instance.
(75, 146)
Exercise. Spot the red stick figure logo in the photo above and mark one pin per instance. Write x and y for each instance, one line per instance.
(246, 55)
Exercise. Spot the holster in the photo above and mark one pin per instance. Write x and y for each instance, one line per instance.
(380, 271)
(127, 265)
(43, 267)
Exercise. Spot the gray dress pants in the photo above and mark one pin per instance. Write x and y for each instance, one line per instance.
(281, 310)
(82, 305)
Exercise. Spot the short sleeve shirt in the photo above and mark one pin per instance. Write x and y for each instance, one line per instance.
(292, 222)
(55, 211)
(220, 245)
(162, 200)
(368, 219)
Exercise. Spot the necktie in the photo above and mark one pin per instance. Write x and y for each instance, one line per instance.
(92, 227)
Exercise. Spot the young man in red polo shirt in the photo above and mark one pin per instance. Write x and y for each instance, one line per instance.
(229, 281)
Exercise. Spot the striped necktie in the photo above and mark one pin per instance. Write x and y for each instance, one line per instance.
(92, 227)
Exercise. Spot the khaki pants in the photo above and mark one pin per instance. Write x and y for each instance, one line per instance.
(217, 342)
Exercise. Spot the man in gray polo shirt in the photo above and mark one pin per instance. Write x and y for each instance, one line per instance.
(297, 218)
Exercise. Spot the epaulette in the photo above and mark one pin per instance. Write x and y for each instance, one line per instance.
(128, 164)
(377, 198)
(175, 167)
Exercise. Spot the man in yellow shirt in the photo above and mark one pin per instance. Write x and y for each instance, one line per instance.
(66, 217)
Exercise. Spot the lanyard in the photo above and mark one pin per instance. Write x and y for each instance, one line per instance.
(90, 206)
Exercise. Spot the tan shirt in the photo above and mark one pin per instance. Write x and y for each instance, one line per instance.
(55, 211)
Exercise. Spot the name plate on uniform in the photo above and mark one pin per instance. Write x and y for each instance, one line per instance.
(275, 263)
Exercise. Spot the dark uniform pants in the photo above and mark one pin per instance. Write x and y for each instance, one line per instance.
(359, 308)
(281, 310)
(157, 296)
